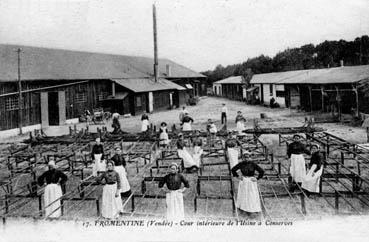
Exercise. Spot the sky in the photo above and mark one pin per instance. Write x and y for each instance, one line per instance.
(199, 34)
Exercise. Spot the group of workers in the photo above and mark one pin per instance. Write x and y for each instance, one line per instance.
(112, 173)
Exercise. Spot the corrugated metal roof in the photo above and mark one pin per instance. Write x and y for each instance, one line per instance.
(56, 64)
(231, 80)
(346, 74)
(147, 84)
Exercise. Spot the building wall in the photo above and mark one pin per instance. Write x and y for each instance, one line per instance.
(162, 100)
(77, 99)
(232, 91)
(272, 90)
(217, 89)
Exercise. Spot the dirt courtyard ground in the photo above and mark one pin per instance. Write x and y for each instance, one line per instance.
(210, 107)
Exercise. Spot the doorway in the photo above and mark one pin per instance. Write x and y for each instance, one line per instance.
(53, 108)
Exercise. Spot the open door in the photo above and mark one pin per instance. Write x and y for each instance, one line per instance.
(53, 104)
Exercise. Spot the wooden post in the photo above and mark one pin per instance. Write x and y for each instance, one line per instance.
(40, 205)
(156, 74)
(303, 207)
(357, 100)
(195, 204)
(62, 206)
(198, 186)
(133, 204)
(97, 207)
(20, 98)
(337, 171)
(310, 99)
(342, 158)
(336, 201)
(322, 92)
(6, 204)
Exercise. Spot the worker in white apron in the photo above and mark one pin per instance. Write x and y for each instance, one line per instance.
(232, 146)
(111, 201)
(240, 123)
(53, 178)
(98, 158)
(144, 122)
(311, 182)
(295, 152)
(197, 148)
(120, 167)
(163, 136)
(189, 163)
(174, 195)
(248, 198)
(187, 122)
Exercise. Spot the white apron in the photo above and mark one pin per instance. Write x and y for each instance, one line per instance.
(188, 161)
(310, 182)
(297, 168)
(240, 126)
(232, 156)
(145, 125)
(186, 126)
(213, 129)
(99, 164)
(163, 138)
(111, 205)
(125, 187)
(197, 152)
(248, 198)
(175, 208)
(52, 192)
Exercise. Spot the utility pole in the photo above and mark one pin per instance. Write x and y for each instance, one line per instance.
(20, 99)
(156, 73)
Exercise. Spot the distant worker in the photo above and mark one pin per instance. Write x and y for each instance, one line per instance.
(224, 114)
(144, 122)
(240, 122)
(248, 199)
(182, 114)
(211, 127)
(212, 132)
(273, 103)
(163, 136)
(116, 125)
(98, 157)
(311, 181)
(189, 164)
(174, 196)
(197, 148)
(111, 200)
(53, 178)
(231, 146)
(295, 152)
(186, 122)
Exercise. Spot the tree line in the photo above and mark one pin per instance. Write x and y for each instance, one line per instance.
(324, 55)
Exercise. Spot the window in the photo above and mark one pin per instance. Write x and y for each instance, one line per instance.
(138, 101)
(280, 94)
(271, 89)
(11, 103)
(81, 97)
(102, 96)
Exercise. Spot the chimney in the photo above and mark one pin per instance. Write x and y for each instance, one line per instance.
(341, 62)
(169, 70)
(156, 74)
